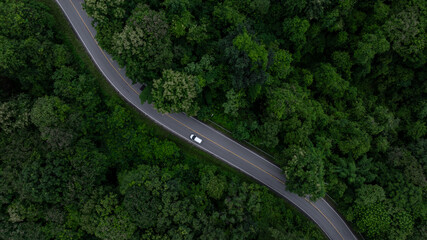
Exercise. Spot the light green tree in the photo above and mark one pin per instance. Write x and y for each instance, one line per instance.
(285, 101)
(144, 44)
(256, 52)
(295, 29)
(373, 220)
(369, 46)
(281, 66)
(175, 92)
(369, 194)
(304, 171)
(417, 130)
(235, 101)
(329, 82)
(407, 33)
(114, 222)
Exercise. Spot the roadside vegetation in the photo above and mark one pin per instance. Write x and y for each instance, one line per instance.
(335, 90)
(77, 163)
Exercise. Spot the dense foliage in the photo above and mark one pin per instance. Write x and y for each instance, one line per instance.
(334, 89)
(76, 164)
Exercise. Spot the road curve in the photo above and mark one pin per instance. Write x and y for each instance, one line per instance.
(214, 142)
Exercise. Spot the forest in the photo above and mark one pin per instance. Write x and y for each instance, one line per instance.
(77, 163)
(335, 90)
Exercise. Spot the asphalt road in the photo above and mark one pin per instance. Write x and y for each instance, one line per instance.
(214, 142)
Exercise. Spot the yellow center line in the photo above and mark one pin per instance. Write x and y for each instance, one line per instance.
(256, 166)
(324, 217)
(101, 49)
(226, 149)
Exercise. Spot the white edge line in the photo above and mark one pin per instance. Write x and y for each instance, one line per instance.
(274, 166)
(139, 107)
(254, 153)
(339, 217)
(267, 185)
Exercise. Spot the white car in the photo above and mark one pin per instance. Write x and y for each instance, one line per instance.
(196, 139)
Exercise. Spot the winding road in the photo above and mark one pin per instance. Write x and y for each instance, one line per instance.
(214, 142)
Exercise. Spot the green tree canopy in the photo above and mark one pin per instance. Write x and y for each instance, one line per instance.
(304, 171)
(144, 44)
(175, 92)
